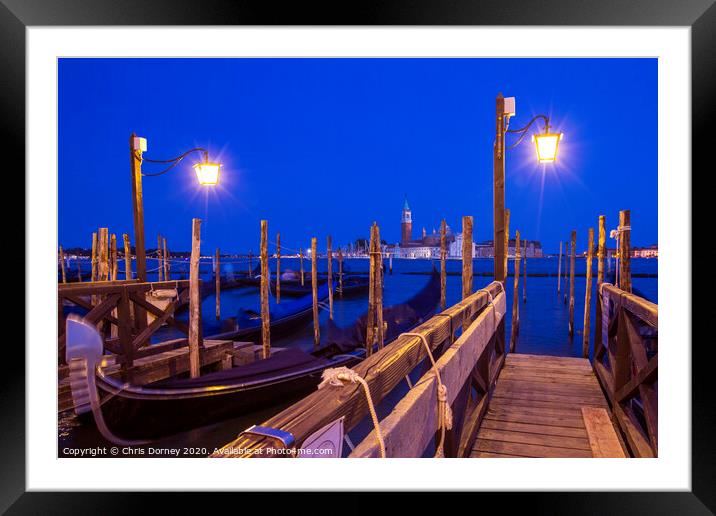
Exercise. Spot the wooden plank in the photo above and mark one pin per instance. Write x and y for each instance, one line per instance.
(169, 363)
(194, 300)
(562, 441)
(534, 419)
(534, 429)
(535, 359)
(528, 450)
(533, 401)
(603, 439)
(382, 371)
(497, 408)
(488, 455)
(412, 424)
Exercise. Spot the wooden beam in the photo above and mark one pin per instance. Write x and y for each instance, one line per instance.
(278, 268)
(413, 422)
(194, 301)
(329, 252)
(314, 291)
(113, 256)
(127, 257)
(62, 265)
(498, 181)
(507, 241)
(466, 256)
(625, 250)
(340, 271)
(443, 268)
(265, 285)
(588, 295)
(559, 269)
(382, 371)
(572, 247)
(516, 296)
(217, 282)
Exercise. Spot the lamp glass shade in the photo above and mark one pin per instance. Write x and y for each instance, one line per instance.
(207, 173)
(546, 145)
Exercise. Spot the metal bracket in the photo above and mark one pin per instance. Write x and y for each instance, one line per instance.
(286, 438)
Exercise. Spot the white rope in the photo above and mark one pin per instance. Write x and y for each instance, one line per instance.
(335, 377)
(444, 410)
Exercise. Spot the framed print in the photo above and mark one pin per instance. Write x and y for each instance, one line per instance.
(425, 244)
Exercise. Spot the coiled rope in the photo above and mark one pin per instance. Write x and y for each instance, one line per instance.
(335, 377)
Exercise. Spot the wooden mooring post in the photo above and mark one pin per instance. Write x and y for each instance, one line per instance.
(572, 246)
(390, 262)
(566, 269)
(62, 265)
(103, 254)
(250, 271)
(340, 271)
(314, 290)
(329, 279)
(600, 279)
(588, 294)
(195, 331)
(265, 286)
(625, 250)
(79, 272)
(160, 261)
(127, 257)
(113, 256)
(93, 258)
(524, 273)
(374, 324)
(300, 259)
(507, 242)
(217, 282)
(443, 265)
(165, 254)
(515, 296)
(467, 256)
(278, 268)
(559, 269)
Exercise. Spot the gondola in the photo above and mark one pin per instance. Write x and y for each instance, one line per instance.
(285, 317)
(125, 413)
(353, 285)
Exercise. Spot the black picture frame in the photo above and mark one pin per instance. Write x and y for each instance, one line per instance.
(700, 15)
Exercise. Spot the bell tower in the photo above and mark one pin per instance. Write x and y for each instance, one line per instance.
(406, 223)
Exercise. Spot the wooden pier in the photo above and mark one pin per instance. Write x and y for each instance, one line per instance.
(501, 404)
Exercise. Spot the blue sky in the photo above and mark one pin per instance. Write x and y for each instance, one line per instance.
(327, 146)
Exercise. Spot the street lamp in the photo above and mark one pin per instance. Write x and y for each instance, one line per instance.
(207, 174)
(546, 146)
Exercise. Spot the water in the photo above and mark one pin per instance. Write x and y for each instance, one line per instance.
(543, 327)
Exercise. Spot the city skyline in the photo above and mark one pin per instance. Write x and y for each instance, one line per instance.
(324, 147)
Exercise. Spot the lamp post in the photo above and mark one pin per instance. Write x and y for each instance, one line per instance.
(546, 145)
(207, 174)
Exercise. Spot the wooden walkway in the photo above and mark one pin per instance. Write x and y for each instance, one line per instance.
(546, 406)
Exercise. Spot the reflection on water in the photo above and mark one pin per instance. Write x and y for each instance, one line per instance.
(543, 330)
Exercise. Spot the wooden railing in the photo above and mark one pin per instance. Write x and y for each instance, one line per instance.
(384, 370)
(626, 363)
(119, 309)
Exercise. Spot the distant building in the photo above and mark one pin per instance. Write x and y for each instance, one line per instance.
(455, 249)
(428, 246)
(651, 251)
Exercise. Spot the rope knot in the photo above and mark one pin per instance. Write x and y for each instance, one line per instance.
(335, 376)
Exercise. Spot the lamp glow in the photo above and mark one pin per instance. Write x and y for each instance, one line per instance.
(546, 145)
(207, 173)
